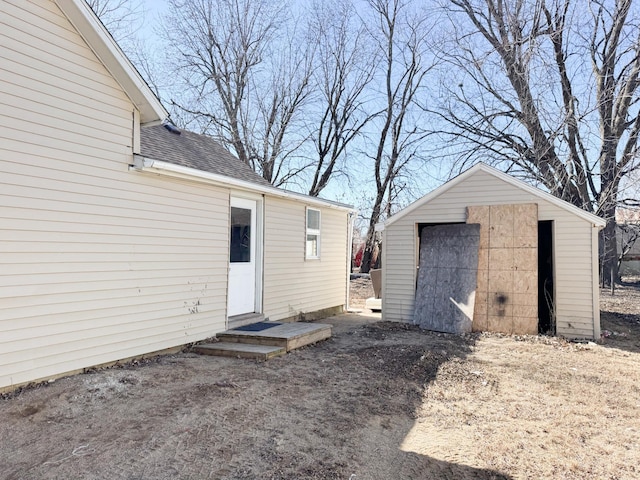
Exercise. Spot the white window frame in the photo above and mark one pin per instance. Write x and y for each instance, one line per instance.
(312, 231)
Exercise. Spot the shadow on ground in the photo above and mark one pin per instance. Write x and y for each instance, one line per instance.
(400, 361)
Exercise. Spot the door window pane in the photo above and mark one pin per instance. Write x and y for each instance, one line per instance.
(240, 250)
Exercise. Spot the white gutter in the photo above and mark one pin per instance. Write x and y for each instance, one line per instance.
(352, 219)
(145, 164)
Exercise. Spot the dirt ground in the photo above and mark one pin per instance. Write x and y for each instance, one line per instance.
(360, 290)
(376, 401)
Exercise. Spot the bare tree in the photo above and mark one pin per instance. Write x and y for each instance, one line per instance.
(400, 38)
(245, 78)
(546, 100)
(123, 18)
(345, 68)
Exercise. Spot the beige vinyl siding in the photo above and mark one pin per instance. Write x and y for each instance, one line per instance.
(98, 263)
(293, 285)
(572, 251)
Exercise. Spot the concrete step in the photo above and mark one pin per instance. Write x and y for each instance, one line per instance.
(240, 350)
(373, 304)
(286, 335)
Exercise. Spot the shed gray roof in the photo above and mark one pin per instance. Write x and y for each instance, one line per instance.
(194, 151)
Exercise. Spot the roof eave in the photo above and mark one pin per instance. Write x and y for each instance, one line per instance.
(150, 165)
(107, 50)
(589, 217)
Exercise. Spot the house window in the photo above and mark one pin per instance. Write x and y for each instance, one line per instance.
(313, 233)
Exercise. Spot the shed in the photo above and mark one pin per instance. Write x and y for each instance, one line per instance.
(488, 252)
(628, 238)
(120, 237)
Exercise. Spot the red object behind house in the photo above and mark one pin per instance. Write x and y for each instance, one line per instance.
(357, 260)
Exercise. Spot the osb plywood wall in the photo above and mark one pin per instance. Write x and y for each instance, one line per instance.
(507, 288)
(445, 291)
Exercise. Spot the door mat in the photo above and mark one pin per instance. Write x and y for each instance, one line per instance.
(257, 327)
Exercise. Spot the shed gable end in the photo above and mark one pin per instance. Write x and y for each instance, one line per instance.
(574, 237)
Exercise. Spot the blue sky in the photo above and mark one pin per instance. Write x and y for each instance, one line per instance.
(154, 10)
(338, 189)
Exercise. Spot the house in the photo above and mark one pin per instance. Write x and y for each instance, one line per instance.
(121, 237)
(628, 237)
(488, 252)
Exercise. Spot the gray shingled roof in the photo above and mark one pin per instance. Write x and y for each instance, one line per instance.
(194, 151)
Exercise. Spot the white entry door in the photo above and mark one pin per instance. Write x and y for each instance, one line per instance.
(242, 257)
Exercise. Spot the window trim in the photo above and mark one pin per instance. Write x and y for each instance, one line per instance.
(312, 231)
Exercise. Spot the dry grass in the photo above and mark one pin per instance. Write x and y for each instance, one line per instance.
(378, 401)
(536, 410)
(539, 407)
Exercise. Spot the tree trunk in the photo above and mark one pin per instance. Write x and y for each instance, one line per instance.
(609, 250)
(371, 240)
(365, 266)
